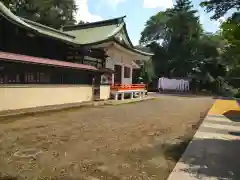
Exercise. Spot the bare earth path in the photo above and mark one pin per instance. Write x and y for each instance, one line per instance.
(111, 142)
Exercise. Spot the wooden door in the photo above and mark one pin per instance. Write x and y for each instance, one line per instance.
(118, 74)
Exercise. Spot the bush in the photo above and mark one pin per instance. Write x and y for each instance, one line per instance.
(237, 95)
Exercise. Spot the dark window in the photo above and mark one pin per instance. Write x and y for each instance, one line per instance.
(43, 77)
(12, 73)
(118, 74)
(10, 79)
(30, 78)
(127, 72)
(36, 78)
(1, 79)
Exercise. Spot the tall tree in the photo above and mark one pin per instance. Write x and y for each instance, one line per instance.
(230, 30)
(208, 64)
(182, 48)
(146, 71)
(53, 13)
(220, 7)
(176, 31)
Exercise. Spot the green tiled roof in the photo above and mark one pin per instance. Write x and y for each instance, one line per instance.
(97, 31)
(102, 31)
(86, 34)
(36, 27)
(93, 34)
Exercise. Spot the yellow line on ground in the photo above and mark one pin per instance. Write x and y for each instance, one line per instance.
(222, 106)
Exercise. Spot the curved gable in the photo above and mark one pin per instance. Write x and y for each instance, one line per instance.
(39, 28)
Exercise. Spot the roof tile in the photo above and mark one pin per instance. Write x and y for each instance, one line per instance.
(37, 60)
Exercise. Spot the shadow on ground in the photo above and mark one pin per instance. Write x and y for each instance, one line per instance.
(187, 95)
(233, 115)
(234, 133)
(7, 178)
(223, 98)
(207, 160)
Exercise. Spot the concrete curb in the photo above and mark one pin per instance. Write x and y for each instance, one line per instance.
(198, 152)
(175, 175)
(55, 108)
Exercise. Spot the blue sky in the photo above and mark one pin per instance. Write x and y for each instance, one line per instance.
(137, 12)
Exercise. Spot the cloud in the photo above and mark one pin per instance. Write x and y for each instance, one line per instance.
(220, 21)
(115, 2)
(157, 4)
(135, 42)
(83, 12)
(112, 3)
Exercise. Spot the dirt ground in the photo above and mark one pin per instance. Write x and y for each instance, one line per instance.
(133, 141)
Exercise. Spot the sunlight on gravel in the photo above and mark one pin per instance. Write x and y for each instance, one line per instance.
(114, 142)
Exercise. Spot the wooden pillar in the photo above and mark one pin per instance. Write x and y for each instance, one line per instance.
(122, 96)
(132, 95)
(116, 96)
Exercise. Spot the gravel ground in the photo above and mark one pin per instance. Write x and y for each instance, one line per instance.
(110, 142)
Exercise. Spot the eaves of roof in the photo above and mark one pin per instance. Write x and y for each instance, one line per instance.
(71, 38)
(48, 29)
(107, 22)
(35, 27)
(112, 39)
(91, 34)
(5, 56)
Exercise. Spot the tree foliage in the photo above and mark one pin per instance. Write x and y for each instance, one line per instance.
(182, 48)
(173, 40)
(146, 71)
(53, 13)
(230, 31)
(220, 7)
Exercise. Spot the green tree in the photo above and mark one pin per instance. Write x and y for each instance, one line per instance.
(53, 13)
(181, 47)
(220, 7)
(146, 71)
(230, 30)
(174, 33)
(160, 60)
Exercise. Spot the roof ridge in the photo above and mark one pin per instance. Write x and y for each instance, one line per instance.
(117, 20)
(46, 27)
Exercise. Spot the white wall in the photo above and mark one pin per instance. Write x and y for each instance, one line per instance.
(117, 57)
(14, 97)
(105, 92)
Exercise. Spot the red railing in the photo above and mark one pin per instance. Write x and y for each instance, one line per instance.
(122, 87)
